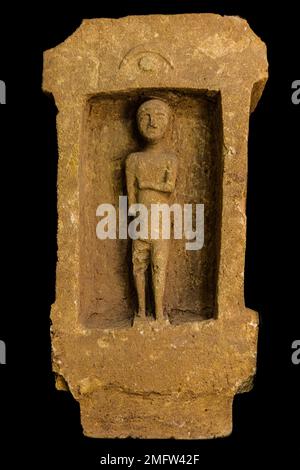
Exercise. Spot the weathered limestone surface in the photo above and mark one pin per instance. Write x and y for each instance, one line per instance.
(152, 379)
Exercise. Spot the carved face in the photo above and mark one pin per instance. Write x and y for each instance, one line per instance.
(153, 118)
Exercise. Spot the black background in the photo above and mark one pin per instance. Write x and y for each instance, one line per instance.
(40, 425)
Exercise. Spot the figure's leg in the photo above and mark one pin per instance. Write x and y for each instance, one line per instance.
(159, 262)
(139, 279)
(140, 258)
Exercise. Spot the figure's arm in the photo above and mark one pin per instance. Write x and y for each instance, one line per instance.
(164, 187)
(131, 181)
(169, 179)
(171, 175)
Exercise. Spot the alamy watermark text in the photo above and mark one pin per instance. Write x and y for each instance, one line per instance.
(152, 222)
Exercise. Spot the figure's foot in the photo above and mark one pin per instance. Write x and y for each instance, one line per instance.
(162, 319)
(141, 315)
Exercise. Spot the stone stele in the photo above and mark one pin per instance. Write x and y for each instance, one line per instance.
(174, 371)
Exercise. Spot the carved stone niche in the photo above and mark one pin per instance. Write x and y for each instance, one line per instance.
(142, 377)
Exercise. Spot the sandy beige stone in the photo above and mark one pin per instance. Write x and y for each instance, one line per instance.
(146, 378)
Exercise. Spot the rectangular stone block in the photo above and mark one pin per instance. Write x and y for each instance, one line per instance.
(154, 339)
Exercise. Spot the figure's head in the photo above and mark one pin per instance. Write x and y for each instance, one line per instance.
(153, 117)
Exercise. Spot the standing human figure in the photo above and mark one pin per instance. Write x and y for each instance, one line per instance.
(151, 177)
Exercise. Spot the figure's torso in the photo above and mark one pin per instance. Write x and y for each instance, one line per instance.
(152, 174)
(155, 176)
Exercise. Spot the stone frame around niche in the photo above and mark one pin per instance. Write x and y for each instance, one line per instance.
(180, 380)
